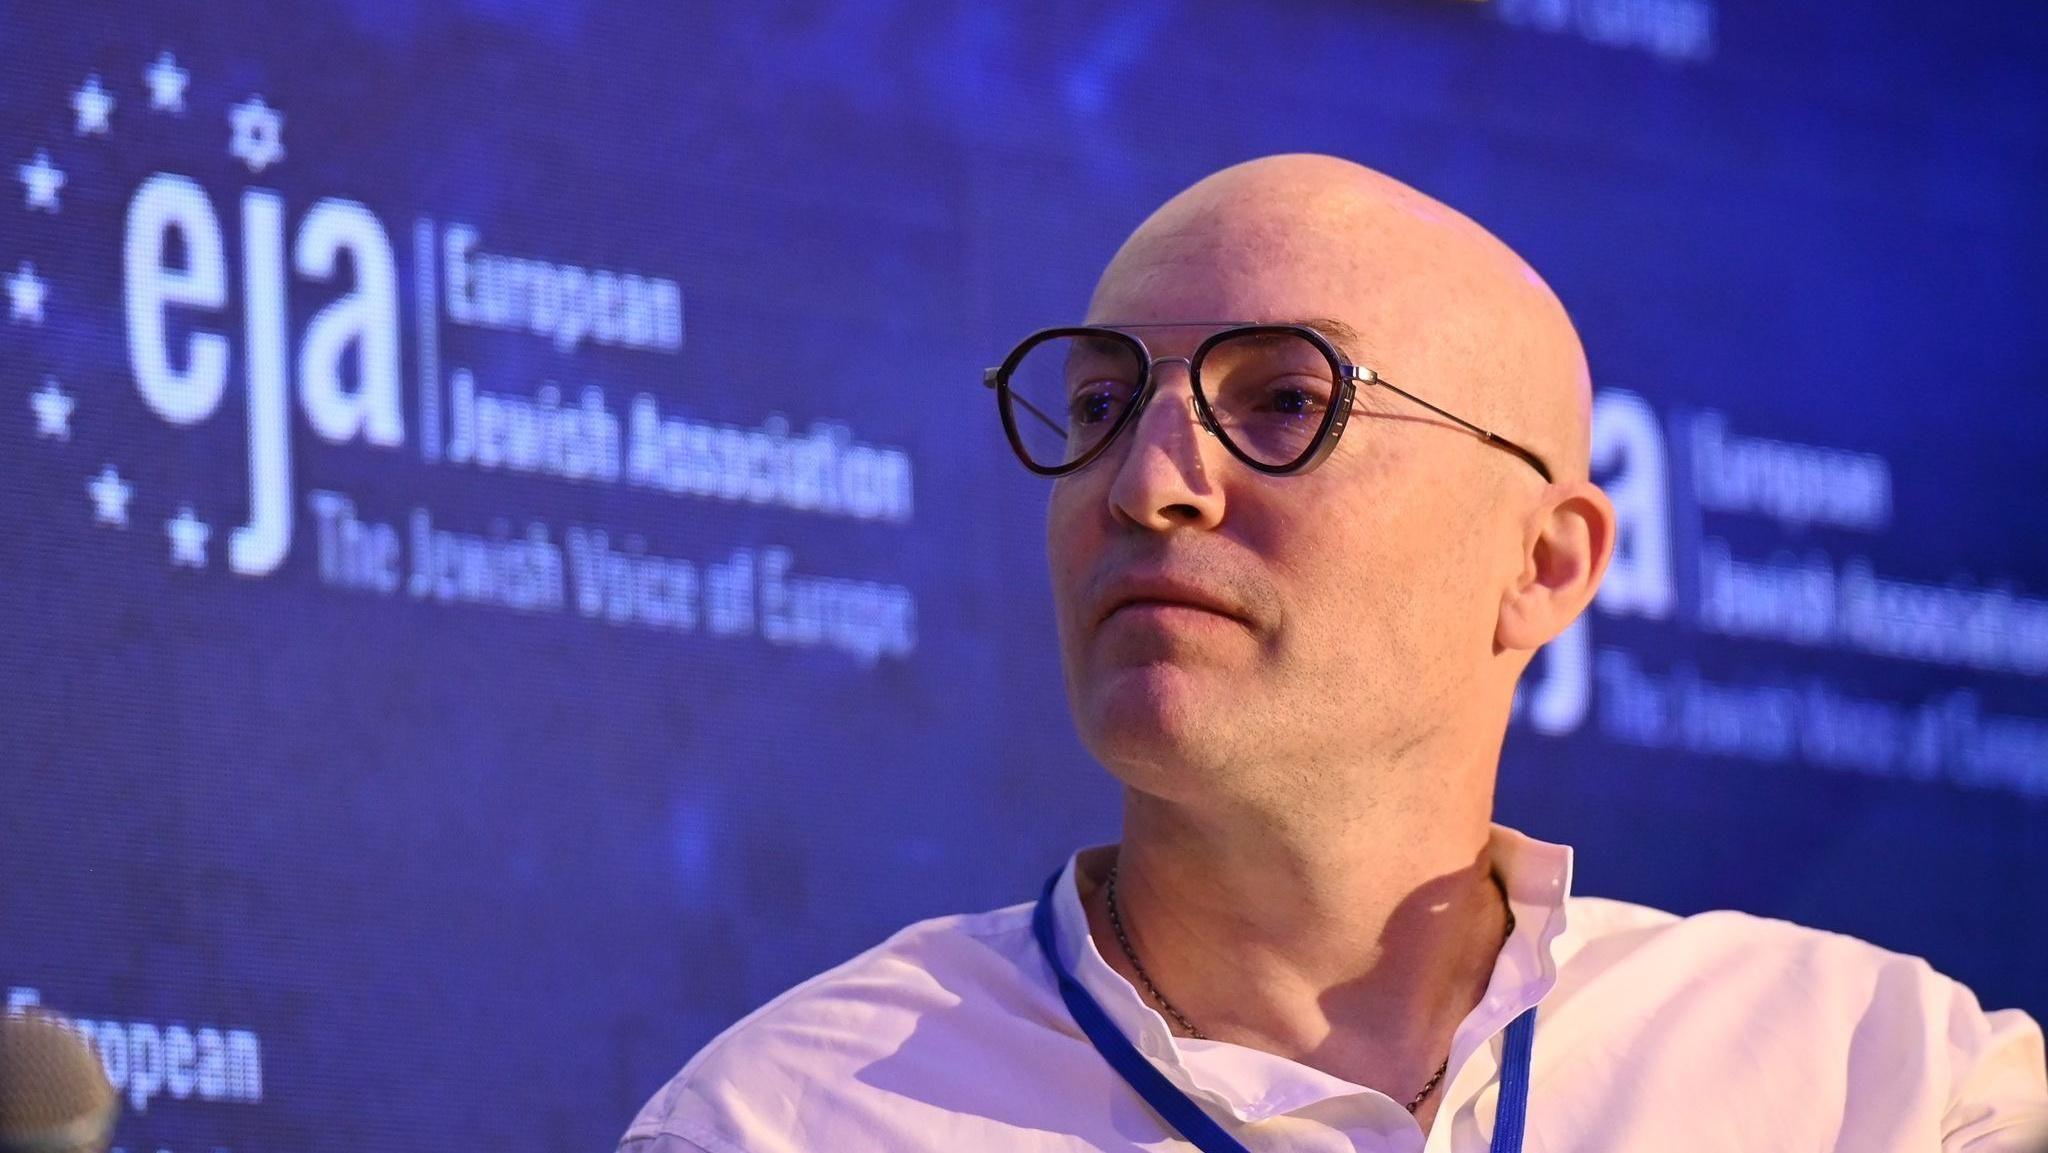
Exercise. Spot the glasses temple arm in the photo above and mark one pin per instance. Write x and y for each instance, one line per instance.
(1490, 437)
(989, 379)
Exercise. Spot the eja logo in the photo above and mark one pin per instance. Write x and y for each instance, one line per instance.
(182, 280)
(175, 278)
(184, 385)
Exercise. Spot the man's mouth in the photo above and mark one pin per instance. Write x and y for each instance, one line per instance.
(1162, 597)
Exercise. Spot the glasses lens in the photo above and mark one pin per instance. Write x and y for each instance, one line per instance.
(1271, 393)
(1065, 394)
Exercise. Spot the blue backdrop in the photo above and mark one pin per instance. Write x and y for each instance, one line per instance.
(508, 563)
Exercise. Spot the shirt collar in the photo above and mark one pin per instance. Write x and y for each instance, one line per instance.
(1253, 1085)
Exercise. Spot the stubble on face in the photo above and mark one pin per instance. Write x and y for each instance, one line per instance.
(1159, 683)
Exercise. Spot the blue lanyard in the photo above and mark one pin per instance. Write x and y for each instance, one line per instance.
(1186, 1117)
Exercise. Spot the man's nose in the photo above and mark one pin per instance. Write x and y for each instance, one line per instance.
(1168, 475)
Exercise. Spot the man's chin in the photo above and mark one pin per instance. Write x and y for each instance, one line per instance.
(1155, 710)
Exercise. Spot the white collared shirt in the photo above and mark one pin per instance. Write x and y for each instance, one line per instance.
(1709, 1034)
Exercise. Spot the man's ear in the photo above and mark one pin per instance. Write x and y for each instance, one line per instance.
(1567, 541)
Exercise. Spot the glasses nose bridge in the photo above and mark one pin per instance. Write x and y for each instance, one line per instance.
(1152, 387)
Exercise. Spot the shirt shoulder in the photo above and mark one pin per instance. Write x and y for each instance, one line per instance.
(1730, 951)
(826, 1047)
(1605, 926)
(1864, 1031)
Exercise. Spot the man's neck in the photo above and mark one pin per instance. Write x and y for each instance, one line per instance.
(1350, 944)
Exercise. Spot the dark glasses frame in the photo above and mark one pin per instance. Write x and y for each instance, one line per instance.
(1348, 377)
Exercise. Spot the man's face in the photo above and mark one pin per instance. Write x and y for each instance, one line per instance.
(1214, 620)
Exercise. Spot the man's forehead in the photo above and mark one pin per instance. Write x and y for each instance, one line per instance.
(1178, 280)
(1399, 282)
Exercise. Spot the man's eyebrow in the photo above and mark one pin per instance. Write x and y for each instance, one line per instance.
(1345, 337)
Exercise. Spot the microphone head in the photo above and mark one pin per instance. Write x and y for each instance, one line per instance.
(54, 1096)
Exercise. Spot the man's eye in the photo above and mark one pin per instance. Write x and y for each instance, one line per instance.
(1283, 399)
(1093, 406)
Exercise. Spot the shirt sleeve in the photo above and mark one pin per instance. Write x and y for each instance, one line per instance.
(660, 1143)
(1998, 1097)
(666, 1142)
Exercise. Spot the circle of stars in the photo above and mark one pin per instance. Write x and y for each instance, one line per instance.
(255, 139)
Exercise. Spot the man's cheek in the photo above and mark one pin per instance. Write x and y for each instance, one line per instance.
(1068, 552)
(1070, 529)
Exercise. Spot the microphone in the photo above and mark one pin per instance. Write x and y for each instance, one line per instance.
(54, 1096)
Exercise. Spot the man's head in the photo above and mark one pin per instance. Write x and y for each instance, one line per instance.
(1377, 609)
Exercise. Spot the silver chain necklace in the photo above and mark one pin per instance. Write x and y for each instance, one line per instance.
(1116, 922)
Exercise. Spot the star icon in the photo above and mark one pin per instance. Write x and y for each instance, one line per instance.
(25, 294)
(40, 181)
(259, 134)
(53, 407)
(91, 103)
(188, 538)
(110, 498)
(166, 85)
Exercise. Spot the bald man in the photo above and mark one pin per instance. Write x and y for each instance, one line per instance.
(1319, 493)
